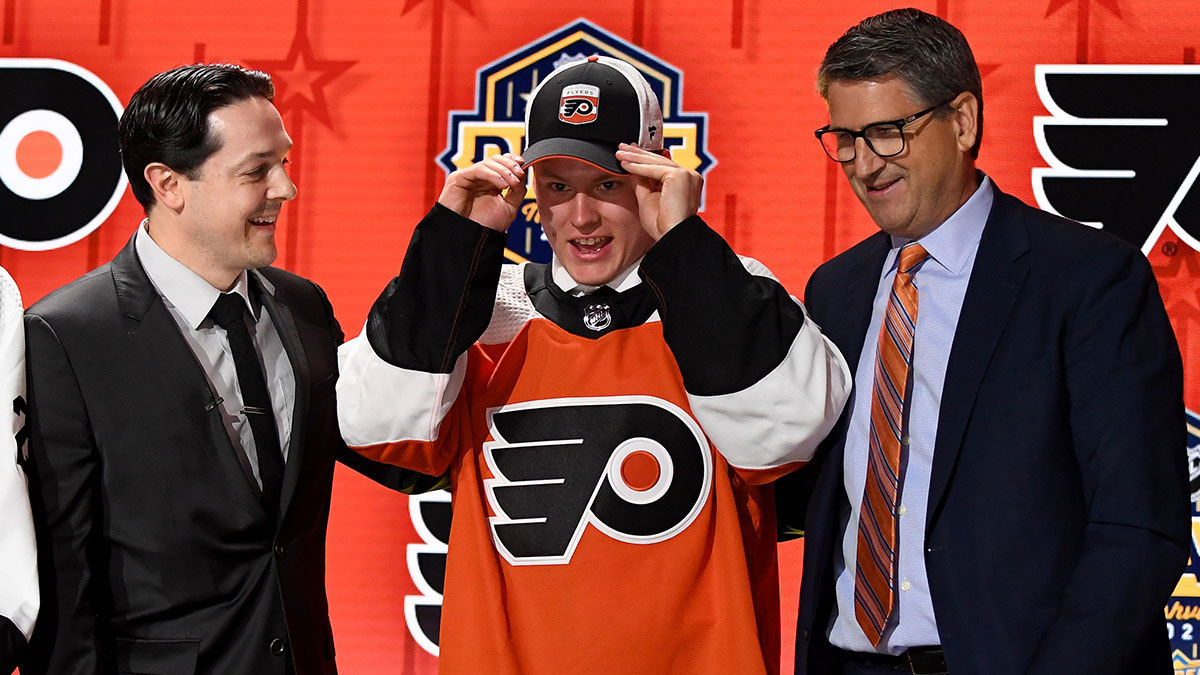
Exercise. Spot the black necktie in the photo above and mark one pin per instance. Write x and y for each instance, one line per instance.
(228, 313)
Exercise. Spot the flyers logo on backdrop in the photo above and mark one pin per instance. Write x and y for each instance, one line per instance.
(1183, 609)
(502, 88)
(1121, 144)
(60, 167)
(634, 468)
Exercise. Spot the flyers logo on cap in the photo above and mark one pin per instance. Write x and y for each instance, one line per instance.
(502, 89)
(580, 104)
(60, 166)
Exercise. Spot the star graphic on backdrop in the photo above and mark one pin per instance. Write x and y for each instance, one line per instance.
(300, 79)
(1056, 5)
(1185, 264)
(465, 4)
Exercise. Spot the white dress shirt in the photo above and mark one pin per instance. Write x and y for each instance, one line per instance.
(189, 298)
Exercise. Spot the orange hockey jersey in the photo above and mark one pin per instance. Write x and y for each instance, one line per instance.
(607, 518)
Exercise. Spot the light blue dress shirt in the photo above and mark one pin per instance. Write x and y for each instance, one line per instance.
(941, 285)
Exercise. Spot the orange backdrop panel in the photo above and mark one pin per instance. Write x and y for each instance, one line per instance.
(366, 88)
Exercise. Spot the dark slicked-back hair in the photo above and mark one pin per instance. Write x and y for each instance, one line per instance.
(167, 118)
(927, 53)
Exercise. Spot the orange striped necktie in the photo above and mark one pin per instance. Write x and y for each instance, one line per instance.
(878, 531)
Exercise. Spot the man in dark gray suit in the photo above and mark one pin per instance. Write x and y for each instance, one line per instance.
(184, 432)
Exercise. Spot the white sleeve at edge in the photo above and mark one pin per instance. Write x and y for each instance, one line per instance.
(19, 593)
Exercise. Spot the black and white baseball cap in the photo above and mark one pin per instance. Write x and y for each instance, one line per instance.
(583, 109)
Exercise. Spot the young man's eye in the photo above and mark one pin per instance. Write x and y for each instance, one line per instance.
(609, 185)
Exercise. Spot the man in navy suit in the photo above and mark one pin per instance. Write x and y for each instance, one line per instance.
(1007, 490)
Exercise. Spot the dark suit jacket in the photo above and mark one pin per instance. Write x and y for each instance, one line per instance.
(1058, 517)
(156, 554)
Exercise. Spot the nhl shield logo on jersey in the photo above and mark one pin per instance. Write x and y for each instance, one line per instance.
(597, 317)
(502, 89)
(580, 104)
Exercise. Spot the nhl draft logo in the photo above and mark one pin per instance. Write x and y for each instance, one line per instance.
(1183, 609)
(60, 167)
(580, 104)
(503, 87)
(1120, 148)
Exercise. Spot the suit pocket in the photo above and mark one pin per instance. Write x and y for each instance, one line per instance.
(156, 657)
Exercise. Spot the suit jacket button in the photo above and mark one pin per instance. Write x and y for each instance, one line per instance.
(280, 550)
(806, 635)
(278, 646)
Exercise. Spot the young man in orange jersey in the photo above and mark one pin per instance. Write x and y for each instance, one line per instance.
(610, 421)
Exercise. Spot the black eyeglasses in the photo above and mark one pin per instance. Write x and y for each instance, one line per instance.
(885, 139)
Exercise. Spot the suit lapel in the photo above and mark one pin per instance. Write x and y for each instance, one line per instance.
(285, 325)
(847, 311)
(164, 356)
(996, 279)
(861, 284)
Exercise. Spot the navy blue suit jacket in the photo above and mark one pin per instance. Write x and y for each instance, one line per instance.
(1058, 518)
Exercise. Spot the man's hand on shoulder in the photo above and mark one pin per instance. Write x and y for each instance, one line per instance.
(668, 194)
(489, 192)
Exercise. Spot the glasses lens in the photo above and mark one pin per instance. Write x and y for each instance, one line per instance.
(885, 139)
(839, 145)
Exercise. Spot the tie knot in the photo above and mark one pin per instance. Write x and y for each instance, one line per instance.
(227, 310)
(911, 256)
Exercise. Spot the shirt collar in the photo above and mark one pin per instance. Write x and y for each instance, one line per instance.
(952, 243)
(624, 281)
(187, 291)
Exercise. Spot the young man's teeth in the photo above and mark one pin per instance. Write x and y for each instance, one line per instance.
(263, 221)
(593, 241)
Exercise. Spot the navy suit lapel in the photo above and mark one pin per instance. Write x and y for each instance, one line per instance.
(861, 284)
(285, 325)
(164, 356)
(996, 280)
(844, 315)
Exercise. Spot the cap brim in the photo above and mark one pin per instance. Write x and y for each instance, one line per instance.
(600, 155)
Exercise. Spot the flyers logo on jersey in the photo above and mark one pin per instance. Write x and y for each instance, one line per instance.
(633, 468)
(580, 104)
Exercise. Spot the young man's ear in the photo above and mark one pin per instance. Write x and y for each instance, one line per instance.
(166, 184)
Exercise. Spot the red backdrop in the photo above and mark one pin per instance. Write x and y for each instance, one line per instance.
(366, 89)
